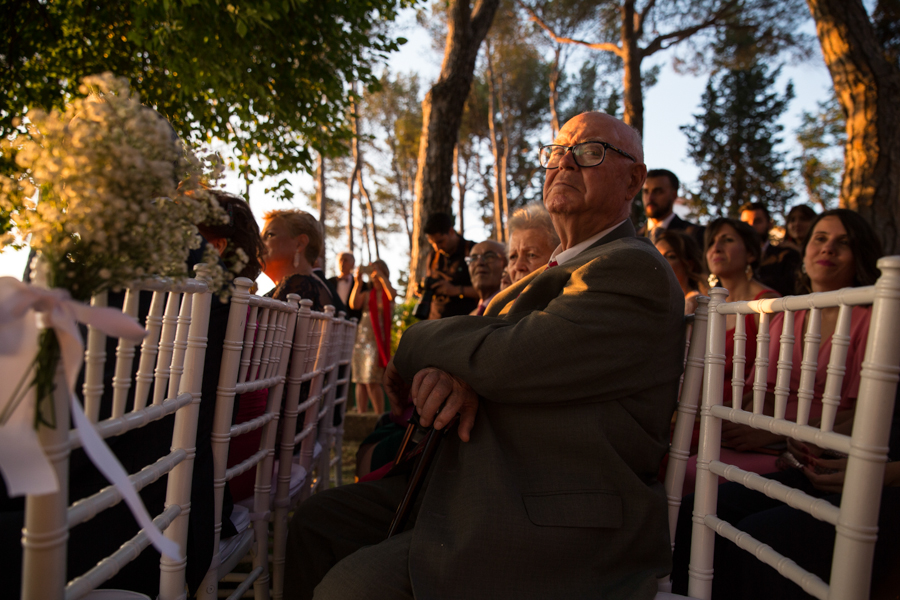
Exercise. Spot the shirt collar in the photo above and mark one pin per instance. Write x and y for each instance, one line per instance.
(562, 256)
(664, 223)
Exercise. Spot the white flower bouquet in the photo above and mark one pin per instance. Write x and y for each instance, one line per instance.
(119, 195)
(105, 193)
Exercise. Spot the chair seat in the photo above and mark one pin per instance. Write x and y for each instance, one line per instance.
(232, 549)
(240, 516)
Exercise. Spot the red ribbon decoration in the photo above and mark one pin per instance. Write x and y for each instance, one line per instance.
(383, 333)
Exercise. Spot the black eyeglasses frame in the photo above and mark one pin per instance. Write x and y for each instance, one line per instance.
(606, 146)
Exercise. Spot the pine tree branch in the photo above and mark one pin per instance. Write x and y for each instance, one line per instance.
(682, 34)
(605, 46)
(641, 17)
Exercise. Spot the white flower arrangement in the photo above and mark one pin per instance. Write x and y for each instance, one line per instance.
(106, 193)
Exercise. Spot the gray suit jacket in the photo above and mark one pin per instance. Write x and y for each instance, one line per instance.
(556, 494)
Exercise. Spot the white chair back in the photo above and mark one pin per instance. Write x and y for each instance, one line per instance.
(688, 400)
(258, 343)
(345, 334)
(856, 518)
(297, 476)
(171, 359)
(323, 387)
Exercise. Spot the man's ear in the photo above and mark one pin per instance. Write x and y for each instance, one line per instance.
(637, 176)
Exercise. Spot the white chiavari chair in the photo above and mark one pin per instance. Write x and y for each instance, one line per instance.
(258, 343)
(856, 518)
(319, 388)
(327, 429)
(688, 401)
(345, 335)
(297, 473)
(171, 359)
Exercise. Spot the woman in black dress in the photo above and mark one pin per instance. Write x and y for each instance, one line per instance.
(293, 240)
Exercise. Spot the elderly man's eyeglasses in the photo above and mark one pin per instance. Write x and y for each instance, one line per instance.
(586, 154)
(486, 257)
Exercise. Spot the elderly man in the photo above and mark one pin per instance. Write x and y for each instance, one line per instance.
(486, 263)
(565, 390)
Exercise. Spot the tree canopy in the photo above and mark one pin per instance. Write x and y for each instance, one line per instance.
(633, 30)
(270, 78)
(733, 142)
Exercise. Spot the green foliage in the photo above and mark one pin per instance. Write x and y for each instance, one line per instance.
(820, 135)
(403, 318)
(269, 77)
(886, 19)
(733, 142)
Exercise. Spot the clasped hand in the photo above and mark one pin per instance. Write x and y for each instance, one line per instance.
(825, 474)
(437, 395)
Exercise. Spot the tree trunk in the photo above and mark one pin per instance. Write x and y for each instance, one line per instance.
(554, 90)
(321, 200)
(357, 155)
(371, 210)
(632, 56)
(441, 117)
(504, 161)
(868, 87)
(351, 183)
(460, 190)
(495, 148)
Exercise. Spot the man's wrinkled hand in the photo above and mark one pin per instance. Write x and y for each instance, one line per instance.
(433, 389)
(397, 390)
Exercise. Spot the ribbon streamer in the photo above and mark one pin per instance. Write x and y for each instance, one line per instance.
(25, 468)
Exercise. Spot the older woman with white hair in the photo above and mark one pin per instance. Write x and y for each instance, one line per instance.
(532, 240)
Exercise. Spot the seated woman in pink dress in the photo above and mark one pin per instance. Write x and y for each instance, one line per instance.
(732, 251)
(840, 251)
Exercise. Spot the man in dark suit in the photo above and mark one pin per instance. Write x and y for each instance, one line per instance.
(565, 390)
(342, 284)
(778, 265)
(659, 194)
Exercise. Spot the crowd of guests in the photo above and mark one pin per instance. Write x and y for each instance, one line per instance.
(607, 310)
(815, 253)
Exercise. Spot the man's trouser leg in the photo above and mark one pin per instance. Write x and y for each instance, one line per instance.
(331, 525)
(379, 572)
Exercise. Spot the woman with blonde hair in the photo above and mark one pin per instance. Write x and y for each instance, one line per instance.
(293, 240)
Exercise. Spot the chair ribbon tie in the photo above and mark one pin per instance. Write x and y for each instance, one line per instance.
(24, 466)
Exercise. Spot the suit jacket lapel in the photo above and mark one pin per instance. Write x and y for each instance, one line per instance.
(503, 302)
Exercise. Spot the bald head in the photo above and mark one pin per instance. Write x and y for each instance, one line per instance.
(583, 201)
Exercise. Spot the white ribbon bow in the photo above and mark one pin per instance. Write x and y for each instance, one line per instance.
(25, 468)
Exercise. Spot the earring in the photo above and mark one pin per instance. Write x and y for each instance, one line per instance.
(803, 267)
(296, 260)
(748, 272)
(712, 280)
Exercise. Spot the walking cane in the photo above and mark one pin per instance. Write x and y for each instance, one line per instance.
(417, 478)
